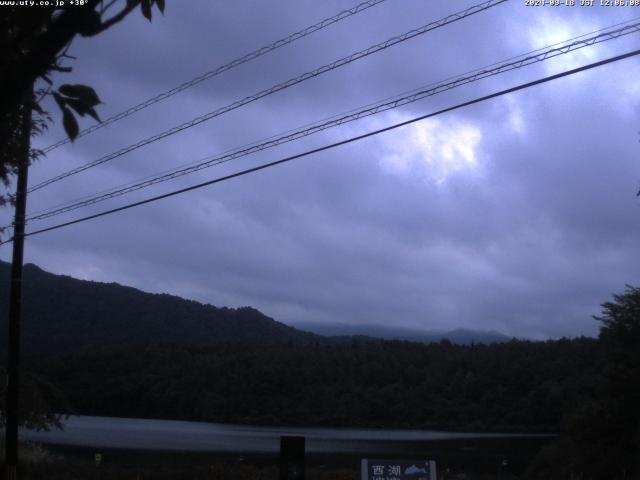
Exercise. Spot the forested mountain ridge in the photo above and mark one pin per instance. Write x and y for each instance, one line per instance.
(62, 314)
(115, 350)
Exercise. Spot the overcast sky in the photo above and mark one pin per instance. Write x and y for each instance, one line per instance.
(518, 214)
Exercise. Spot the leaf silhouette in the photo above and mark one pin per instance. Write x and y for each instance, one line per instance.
(82, 92)
(145, 6)
(70, 124)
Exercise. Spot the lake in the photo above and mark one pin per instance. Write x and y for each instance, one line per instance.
(146, 434)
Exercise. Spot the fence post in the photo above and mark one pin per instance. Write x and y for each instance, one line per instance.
(292, 458)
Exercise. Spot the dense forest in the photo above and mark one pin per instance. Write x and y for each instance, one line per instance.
(515, 386)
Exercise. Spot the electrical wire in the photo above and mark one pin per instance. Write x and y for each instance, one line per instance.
(433, 89)
(278, 87)
(221, 69)
(522, 86)
(332, 117)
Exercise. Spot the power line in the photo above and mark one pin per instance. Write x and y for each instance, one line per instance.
(333, 117)
(223, 68)
(433, 89)
(337, 144)
(281, 86)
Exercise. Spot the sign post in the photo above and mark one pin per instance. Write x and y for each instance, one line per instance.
(398, 469)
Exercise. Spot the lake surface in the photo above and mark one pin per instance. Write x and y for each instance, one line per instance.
(144, 434)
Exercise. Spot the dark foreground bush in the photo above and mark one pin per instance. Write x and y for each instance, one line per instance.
(49, 467)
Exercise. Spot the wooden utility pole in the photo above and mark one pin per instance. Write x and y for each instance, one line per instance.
(15, 295)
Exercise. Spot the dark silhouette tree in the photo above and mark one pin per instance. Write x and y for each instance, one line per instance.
(34, 41)
(620, 337)
(601, 440)
(41, 402)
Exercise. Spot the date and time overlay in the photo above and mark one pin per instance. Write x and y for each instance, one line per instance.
(526, 3)
(582, 3)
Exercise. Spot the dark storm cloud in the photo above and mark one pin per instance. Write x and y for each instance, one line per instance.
(516, 215)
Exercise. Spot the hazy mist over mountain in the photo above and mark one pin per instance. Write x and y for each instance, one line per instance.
(460, 336)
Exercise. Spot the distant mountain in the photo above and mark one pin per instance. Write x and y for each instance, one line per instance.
(460, 336)
(62, 314)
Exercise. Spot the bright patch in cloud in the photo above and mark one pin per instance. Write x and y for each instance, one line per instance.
(550, 29)
(432, 148)
(515, 118)
(628, 100)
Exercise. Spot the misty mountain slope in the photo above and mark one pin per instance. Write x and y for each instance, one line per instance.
(460, 336)
(62, 314)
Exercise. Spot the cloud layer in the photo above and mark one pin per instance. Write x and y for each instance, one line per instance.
(517, 214)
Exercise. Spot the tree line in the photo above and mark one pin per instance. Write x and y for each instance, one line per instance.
(516, 386)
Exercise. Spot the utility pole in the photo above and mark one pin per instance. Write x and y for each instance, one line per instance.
(15, 294)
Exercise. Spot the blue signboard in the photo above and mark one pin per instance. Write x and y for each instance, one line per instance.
(398, 469)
